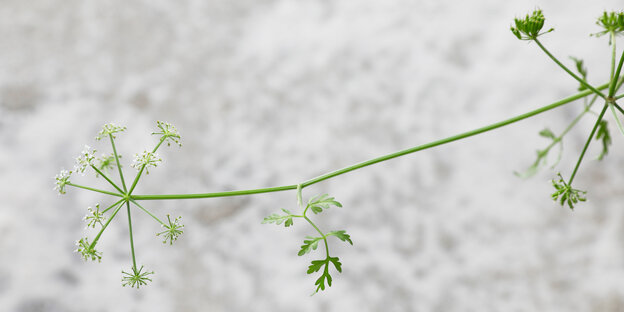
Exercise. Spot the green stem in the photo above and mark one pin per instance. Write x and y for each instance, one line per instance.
(94, 189)
(113, 205)
(591, 136)
(131, 239)
(147, 211)
(612, 88)
(107, 179)
(136, 179)
(619, 96)
(121, 176)
(375, 160)
(320, 232)
(579, 79)
(617, 120)
(97, 237)
(613, 56)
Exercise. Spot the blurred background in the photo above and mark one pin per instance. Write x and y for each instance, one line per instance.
(268, 93)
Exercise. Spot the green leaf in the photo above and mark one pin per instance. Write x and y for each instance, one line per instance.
(547, 134)
(309, 244)
(279, 219)
(342, 235)
(580, 67)
(325, 277)
(565, 194)
(603, 135)
(320, 202)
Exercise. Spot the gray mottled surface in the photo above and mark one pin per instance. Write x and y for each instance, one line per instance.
(270, 93)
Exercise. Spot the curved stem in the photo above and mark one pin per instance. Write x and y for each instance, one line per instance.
(579, 79)
(378, 159)
(320, 232)
(591, 136)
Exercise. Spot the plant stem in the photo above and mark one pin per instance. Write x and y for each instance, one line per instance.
(121, 176)
(579, 79)
(375, 160)
(612, 88)
(97, 237)
(106, 178)
(619, 96)
(147, 211)
(111, 206)
(591, 136)
(94, 189)
(131, 239)
(320, 232)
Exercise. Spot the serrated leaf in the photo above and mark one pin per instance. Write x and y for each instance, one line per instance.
(336, 263)
(603, 135)
(320, 202)
(342, 235)
(279, 219)
(315, 266)
(309, 244)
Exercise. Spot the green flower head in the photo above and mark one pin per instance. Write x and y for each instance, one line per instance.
(85, 159)
(145, 160)
(86, 251)
(135, 279)
(611, 22)
(529, 28)
(173, 230)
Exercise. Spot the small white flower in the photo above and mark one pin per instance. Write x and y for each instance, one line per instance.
(109, 129)
(168, 133)
(85, 159)
(62, 179)
(145, 160)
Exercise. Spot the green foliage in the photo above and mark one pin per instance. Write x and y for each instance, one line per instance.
(325, 276)
(542, 155)
(341, 235)
(566, 194)
(529, 28)
(581, 69)
(320, 202)
(279, 219)
(603, 136)
(309, 244)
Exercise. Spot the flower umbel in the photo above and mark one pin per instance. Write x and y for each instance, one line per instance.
(135, 279)
(168, 132)
(566, 194)
(86, 251)
(529, 27)
(94, 217)
(173, 230)
(62, 179)
(109, 129)
(611, 22)
(106, 162)
(145, 159)
(85, 159)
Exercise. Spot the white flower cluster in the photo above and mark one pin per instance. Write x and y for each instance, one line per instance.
(85, 159)
(145, 160)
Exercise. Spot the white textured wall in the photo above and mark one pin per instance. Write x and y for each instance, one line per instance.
(269, 93)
